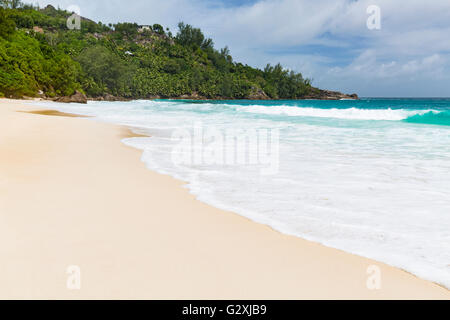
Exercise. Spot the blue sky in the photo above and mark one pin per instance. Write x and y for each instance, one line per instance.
(326, 40)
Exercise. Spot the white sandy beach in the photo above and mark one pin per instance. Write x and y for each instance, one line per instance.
(72, 194)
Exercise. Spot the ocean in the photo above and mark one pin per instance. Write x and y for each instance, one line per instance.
(370, 177)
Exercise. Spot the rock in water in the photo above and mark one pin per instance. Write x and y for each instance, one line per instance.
(77, 97)
(318, 94)
(258, 94)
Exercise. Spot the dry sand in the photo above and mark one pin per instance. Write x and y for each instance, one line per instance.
(72, 194)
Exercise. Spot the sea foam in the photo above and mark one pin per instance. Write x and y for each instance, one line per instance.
(350, 113)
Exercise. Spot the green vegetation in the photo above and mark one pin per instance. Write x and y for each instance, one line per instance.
(40, 55)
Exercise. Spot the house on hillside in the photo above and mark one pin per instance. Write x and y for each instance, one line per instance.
(144, 28)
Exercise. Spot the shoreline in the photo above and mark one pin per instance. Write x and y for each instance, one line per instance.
(120, 99)
(202, 252)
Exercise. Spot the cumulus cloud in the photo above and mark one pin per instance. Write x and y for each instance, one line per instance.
(327, 40)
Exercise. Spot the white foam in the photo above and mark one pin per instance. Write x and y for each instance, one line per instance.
(349, 113)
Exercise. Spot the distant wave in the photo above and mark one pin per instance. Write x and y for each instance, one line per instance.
(431, 117)
(350, 113)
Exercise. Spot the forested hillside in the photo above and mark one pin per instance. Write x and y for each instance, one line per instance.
(40, 56)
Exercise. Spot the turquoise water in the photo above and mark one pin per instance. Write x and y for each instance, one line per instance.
(370, 177)
(438, 108)
(437, 118)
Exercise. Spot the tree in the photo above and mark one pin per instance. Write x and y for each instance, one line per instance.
(157, 28)
(193, 37)
(127, 29)
(106, 68)
(7, 26)
(225, 53)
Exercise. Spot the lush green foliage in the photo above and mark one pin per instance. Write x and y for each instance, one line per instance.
(7, 26)
(29, 64)
(124, 60)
